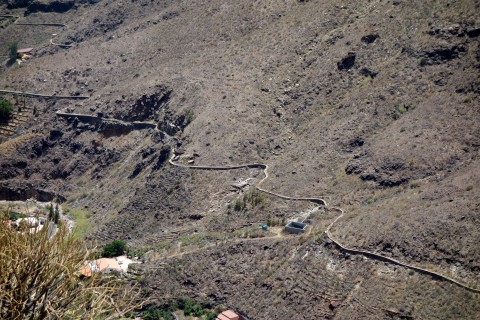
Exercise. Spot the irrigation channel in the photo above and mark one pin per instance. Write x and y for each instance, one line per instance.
(320, 201)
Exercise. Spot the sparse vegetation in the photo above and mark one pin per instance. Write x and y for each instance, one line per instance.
(368, 201)
(81, 218)
(240, 204)
(193, 239)
(323, 132)
(275, 221)
(364, 80)
(189, 116)
(253, 197)
(255, 233)
(403, 108)
(415, 184)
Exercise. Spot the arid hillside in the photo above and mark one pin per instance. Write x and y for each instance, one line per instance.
(372, 106)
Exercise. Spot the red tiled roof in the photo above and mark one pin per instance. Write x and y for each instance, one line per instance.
(25, 50)
(99, 265)
(228, 315)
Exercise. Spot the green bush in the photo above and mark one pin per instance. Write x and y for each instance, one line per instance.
(158, 314)
(114, 249)
(13, 215)
(255, 197)
(189, 306)
(403, 108)
(6, 109)
(192, 308)
(211, 315)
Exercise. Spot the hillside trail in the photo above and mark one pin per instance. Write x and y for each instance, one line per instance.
(328, 233)
(31, 94)
(179, 253)
(277, 234)
(265, 168)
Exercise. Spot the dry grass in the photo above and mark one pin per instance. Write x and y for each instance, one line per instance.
(39, 279)
(10, 146)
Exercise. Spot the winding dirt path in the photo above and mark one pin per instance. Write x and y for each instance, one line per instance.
(328, 233)
(60, 44)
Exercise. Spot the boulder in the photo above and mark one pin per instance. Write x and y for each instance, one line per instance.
(347, 62)
(49, 6)
(473, 32)
(370, 38)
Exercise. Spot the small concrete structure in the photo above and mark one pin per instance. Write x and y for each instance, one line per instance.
(295, 227)
(32, 223)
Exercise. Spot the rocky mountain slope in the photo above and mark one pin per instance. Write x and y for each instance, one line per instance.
(372, 105)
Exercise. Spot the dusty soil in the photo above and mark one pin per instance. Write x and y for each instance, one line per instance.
(370, 104)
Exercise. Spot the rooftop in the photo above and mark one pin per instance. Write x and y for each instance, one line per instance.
(25, 50)
(228, 315)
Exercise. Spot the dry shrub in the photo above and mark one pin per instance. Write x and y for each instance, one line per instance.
(40, 279)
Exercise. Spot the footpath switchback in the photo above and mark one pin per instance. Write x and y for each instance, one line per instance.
(328, 233)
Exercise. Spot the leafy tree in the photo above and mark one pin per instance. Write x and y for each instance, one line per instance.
(12, 51)
(114, 249)
(51, 214)
(211, 315)
(57, 214)
(39, 279)
(6, 109)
